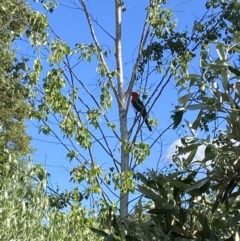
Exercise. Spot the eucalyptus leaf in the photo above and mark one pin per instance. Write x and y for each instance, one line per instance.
(190, 157)
(236, 236)
(161, 211)
(196, 123)
(220, 51)
(188, 148)
(150, 194)
(198, 184)
(184, 99)
(196, 107)
(181, 89)
(235, 71)
(237, 88)
(217, 66)
(99, 232)
(225, 81)
(177, 118)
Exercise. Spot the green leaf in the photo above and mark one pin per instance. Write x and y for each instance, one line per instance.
(206, 229)
(172, 176)
(184, 99)
(131, 238)
(224, 75)
(220, 224)
(196, 123)
(180, 230)
(208, 156)
(203, 63)
(196, 107)
(234, 70)
(204, 188)
(179, 183)
(217, 66)
(110, 237)
(143, 179)
(227, 149)
(181, 89)
(105, 53)
(183, 239)
(220, 51)
(112, 125)
(234, 220)
(190, 157)
(187, 149)
(177, 118)
(237, 88)
(150, 194)
(161, 211)
(198, 184)
(99, 232)
(115, 225)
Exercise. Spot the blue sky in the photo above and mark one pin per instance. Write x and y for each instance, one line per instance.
(70, 24)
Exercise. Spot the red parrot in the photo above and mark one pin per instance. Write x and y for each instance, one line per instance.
(139, 107)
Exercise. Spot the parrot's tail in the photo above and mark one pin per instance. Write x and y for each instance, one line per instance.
(148, 126)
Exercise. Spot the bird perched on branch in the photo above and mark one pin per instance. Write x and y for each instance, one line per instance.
(139, 107)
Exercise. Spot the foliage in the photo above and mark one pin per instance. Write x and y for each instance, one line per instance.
(198, 201)
(13, 112)
(84, 119)
(26, 207)
(30, 210)
(178, 206)
(217, 101)
(15, 19)
(201, 201)
(184, 207)
(85, 122)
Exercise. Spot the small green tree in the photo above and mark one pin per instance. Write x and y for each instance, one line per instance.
(14, 17)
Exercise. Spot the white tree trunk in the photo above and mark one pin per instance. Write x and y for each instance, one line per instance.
(122, 108)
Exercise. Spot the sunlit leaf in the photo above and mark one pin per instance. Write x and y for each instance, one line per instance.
(184, 99)
(237, 88)
(181, 89)
(236, 236)
(220, 51)
(225, 80)
(196, 107)
(217, 66)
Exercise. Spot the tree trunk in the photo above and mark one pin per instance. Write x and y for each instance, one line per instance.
(122, 108)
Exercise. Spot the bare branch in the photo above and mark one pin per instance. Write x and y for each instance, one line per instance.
(145, 34)
(97, 44)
